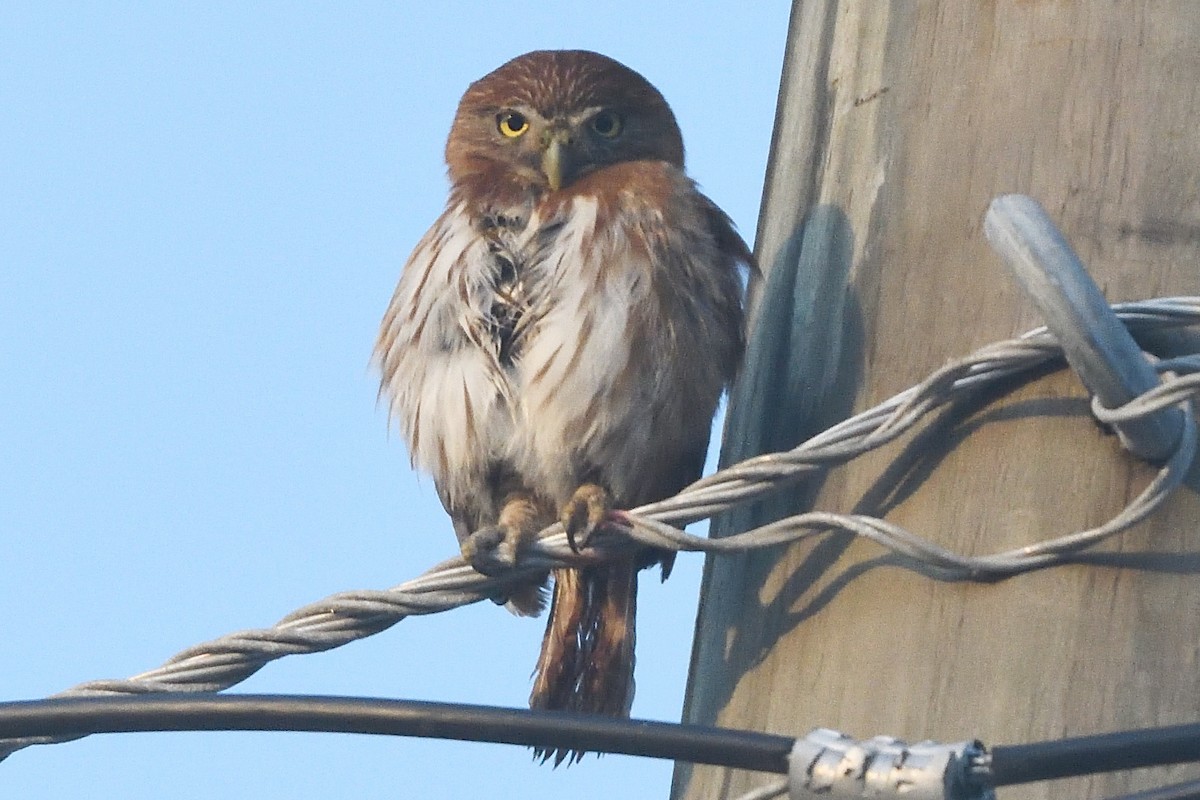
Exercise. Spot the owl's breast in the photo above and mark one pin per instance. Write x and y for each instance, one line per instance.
(586, 341)
(576, 371)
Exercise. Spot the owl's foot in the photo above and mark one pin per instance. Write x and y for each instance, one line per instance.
(495, 548)
(482, 550)
(584, 513)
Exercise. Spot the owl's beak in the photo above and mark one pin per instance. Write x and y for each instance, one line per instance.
(555, 159)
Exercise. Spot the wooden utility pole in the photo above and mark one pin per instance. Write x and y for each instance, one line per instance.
(898, 123)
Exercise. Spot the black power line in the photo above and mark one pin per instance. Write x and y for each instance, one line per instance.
(1005, 765)
(1087, 755)
(79, 716)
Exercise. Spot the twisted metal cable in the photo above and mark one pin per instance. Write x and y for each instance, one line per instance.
(348, 616)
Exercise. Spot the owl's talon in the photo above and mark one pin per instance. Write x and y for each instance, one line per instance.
(485, 550)
(584, 513)
(497, 548)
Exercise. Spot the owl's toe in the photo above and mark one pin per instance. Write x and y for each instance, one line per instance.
(485, 550)
(498, 547)
(584, 513)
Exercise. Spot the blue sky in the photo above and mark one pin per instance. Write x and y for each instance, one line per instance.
(205, 208)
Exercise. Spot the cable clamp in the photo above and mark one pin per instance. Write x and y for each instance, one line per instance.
(827, 764)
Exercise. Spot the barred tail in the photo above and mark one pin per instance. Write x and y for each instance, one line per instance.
(586, 663)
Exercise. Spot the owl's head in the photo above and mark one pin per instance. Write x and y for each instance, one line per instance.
(547, 118)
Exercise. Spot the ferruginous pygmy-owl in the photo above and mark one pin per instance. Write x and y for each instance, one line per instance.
(559, 340)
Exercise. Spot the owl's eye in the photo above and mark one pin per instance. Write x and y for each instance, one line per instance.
(607, 124)
(511, 123)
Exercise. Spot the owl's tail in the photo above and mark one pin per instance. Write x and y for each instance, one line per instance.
(586, 662)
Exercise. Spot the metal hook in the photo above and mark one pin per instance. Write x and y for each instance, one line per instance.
(1097, 346)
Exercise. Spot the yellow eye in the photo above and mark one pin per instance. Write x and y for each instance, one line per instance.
(607, 124)
(511, 123)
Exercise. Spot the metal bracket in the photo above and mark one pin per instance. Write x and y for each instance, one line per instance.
(1097, 346)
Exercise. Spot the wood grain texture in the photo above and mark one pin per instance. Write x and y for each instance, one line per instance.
(898, 124)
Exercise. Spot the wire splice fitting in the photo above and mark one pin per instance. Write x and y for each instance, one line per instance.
(827, 764)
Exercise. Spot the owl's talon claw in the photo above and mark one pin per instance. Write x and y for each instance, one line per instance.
(584, 513)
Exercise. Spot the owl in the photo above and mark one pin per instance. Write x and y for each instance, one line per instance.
(559, 339)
